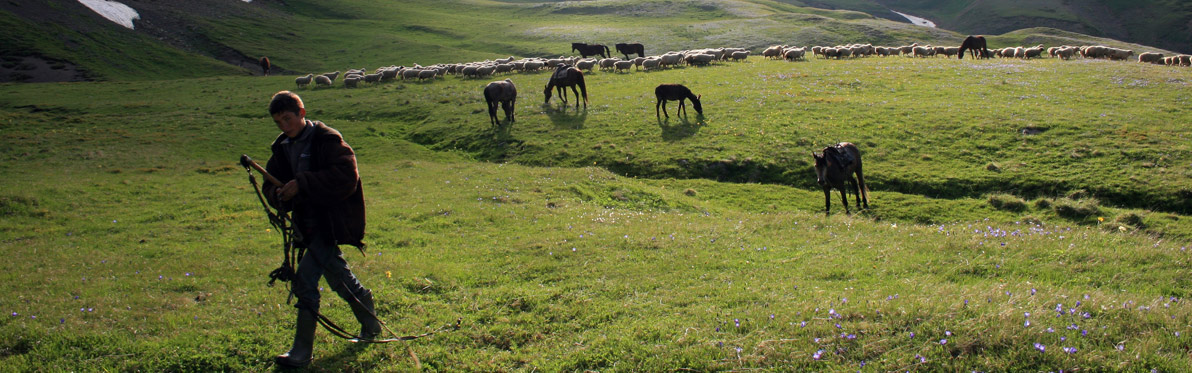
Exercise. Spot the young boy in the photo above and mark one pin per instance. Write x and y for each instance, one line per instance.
(322, 188)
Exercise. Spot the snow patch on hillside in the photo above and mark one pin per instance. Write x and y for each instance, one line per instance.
(113, 11)
(915, 20)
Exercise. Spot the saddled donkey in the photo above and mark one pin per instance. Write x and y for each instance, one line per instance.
(631, 48)
(975, 44)
(586, 50)
(676, 92)
(503, 92)
(835, 166)
(563, 77)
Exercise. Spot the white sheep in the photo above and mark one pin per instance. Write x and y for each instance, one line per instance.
(671, 59)
(1150, 57)
(773, 52)
(303, 81)
(427, 74)
(331, 76)
(350, 81)
(622, 65)
(607, 63)
(700, 59)
(413, 73)
(486, 70)
(651, 63)
(737, 56)
(322, 80)
(794, 54)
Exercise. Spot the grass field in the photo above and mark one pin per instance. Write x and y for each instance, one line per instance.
(608, 240)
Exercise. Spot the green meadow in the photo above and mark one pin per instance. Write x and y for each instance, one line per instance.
(1024, 215)
(606, 239)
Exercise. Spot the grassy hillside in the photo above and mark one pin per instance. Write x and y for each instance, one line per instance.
(1159, 23)
(212, 38)
(578, 241)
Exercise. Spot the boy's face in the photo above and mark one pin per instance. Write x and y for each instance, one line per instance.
(290, 123)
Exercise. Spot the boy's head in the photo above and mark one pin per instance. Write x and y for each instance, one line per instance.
(288, 113)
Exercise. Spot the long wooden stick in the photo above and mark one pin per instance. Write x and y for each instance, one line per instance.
(248, 162)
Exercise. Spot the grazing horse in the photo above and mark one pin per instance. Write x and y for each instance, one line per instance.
(586, 50)
(975, 44)
(563, 77)
(264, 62)
(673, 92)
(631, 48)
(503, 92)
(835, 166)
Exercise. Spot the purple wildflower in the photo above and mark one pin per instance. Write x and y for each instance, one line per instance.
(943, 342)
(737, 322)
(817, 354)
(1040, 347)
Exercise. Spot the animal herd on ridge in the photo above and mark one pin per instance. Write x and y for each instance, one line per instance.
(835, 165)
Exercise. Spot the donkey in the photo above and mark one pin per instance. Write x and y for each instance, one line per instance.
(835, 166)
(586, 50)
(503, 92)
(673, 92)
(563, 77)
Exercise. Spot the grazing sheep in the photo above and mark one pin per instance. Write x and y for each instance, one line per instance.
(608, 63)
(622, 65)
(773, 52)
(350, 82)
(372, 78)
(486, 70)
(651, 63)
(585, 65)
(671, 59)
(303, 81)
(504, 68)
(412, 74)
(737, 56)
(322, 80)
(534, 65)
(1120, 54)
(1033, 52)
(794, 54)
(700, 59)
(331, 76)
(427, 74)
(922, 51)
(1066, 53)
(1150, 57)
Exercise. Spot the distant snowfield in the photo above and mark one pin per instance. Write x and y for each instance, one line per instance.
(113, 11)
(916, 20)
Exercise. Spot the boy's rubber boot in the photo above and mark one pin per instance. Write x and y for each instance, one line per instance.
(365, 313)
(304, 339)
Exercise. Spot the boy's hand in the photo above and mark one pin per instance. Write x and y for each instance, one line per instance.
(288, 191)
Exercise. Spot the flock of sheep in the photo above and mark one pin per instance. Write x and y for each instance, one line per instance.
(915, 50)
(481, 69)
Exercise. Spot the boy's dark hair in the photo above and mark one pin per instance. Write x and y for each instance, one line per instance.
(285, 101)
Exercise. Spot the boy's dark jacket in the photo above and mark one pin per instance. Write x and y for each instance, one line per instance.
(330, 193)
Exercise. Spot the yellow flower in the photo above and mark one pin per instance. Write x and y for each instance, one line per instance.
(388, 274)
(1101, 219)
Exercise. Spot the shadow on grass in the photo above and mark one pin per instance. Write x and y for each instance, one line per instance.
(680, 128)
(566, 116)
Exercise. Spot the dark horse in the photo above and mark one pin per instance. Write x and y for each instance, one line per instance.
(503, 92)
(837, 165)
(586, 50)
(673, 92)
(631, 48)
(975, 44)
(264, 62)
(563, 77)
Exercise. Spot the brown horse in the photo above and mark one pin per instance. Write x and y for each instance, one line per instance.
(563, 77)
(264, 62)
(676, 92)
(975, 44)
(631, 48)
(586, 50)
(834, 167)
(500, 92)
